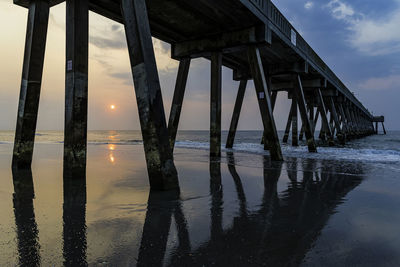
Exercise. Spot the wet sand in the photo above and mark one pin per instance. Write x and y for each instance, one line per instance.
(240, 211)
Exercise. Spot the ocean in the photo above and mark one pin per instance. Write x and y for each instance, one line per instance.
(374, 149)
(337, 207)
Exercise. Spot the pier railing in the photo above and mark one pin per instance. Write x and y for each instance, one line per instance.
(261, 5)
(277, 19)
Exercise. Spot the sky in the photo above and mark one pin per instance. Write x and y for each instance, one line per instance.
(358, 39)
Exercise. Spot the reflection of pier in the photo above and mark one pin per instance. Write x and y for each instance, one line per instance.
(250, 37)
(27, 231)
(74, 219)
(278, 233)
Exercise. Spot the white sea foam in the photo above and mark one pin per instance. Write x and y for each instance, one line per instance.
(329, 153)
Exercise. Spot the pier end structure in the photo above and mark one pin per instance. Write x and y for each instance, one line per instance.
(381, 120)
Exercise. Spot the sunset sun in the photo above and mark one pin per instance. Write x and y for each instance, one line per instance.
(112, 107)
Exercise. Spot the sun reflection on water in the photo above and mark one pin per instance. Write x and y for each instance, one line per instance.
(111, 158)
(112, 135)
(111, 147)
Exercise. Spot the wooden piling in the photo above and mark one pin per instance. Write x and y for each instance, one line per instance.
(350, 122)
(160, 165)
(236, 114)
(301, 135)
(264, 102)
(274, 96)
(335, 117)
(288, 124)
(324, 117)
(345, 129)
(322, 132)
(372, 127)
(316, 120)
(215, 105)
(354, 113)
(354, 122)
(331, 122)
(311, 116)
(310, 108)
(28, 106)
(176, 107)
(295, 137)
(303, 112)
(76, 84)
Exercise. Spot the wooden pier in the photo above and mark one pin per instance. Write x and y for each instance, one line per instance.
(251, 37)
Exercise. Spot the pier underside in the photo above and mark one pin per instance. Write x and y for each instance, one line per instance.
(251, 37)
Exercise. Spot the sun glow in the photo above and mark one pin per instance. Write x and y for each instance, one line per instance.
(112, 107)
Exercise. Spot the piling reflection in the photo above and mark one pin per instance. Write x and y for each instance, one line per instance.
(184, 245)
(238, 183)
(283, 229)
(156, 228)
(291, 165)
(27, 230)
(74, 218)
(160, 209)
(216, 193)
(297, 199)
(270, 200)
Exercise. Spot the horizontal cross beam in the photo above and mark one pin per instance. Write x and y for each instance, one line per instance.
(25, 3)
(325, 93)
(312, 84)
(225, 43)
(285, 70)
(299, 67)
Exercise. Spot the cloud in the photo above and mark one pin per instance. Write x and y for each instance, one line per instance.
(163, 56)
(377, 37)
(340, 10)
(308, 5)
(112, 49)
(56, 23)
(102, 42)
(125, 77)
(368, 35)
(111, 37)
(381, 83)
